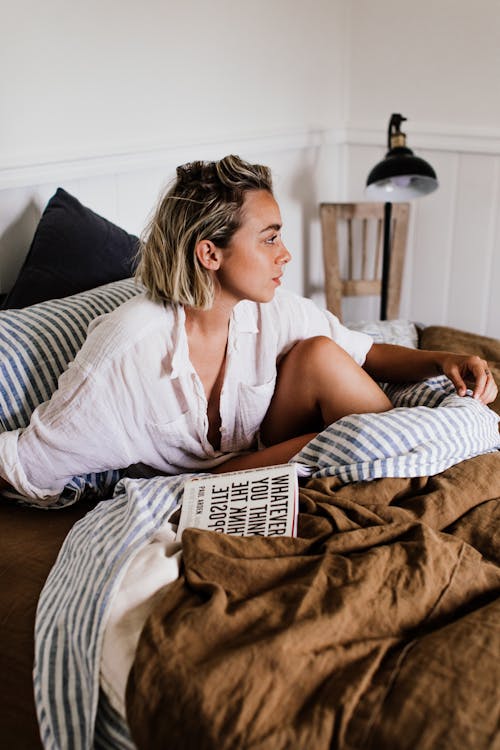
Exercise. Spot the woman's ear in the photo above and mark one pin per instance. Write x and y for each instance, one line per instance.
(208, 254)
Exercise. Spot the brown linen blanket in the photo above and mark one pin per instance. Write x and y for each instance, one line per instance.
(378, 627)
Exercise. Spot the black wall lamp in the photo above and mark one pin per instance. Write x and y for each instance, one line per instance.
(399, 177)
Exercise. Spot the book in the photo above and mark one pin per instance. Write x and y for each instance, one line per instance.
(250, 502)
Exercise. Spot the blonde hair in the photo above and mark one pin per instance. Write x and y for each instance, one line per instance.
(204, 203)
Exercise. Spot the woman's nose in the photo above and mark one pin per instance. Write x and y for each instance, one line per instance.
(284, 256)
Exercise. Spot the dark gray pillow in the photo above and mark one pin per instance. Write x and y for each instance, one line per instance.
(73, 250)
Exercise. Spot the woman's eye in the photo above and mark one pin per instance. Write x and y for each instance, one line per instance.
(272, 240)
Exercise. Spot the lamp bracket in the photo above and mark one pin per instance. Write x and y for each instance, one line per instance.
(396, 138)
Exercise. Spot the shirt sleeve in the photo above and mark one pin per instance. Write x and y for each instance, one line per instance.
(80, 430)
(355, 343)
(301, 318)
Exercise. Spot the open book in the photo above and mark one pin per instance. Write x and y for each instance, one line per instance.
(251, 502)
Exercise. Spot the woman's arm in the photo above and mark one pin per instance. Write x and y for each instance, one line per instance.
(280, 453)
(389, 363)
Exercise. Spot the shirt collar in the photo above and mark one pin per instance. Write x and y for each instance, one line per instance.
(245, 317)
(243, 320)
(179, 361)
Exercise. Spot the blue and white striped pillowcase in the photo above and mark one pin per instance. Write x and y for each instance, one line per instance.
(37, 344)
(430, 429)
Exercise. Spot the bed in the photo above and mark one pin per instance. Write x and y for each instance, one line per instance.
(376, 627)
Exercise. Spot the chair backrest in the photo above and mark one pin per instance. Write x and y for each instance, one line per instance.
(352, 238)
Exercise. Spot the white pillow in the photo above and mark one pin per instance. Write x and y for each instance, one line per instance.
(401, 332)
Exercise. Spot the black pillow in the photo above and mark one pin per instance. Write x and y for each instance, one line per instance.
(73, 250)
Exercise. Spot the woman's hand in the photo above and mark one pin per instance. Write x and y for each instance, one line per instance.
(466, 371)
(389, 363)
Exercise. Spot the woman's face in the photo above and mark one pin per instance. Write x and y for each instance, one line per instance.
(252, 264)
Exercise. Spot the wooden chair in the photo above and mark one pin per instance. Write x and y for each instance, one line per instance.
(352, 238)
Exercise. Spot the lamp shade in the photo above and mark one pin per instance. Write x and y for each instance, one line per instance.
(401, 175)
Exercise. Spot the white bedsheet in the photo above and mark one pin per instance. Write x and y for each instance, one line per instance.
(153, 567)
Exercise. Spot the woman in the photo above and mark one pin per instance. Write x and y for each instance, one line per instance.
(212, 362)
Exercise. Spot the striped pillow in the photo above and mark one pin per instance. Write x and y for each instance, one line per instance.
(37, 344)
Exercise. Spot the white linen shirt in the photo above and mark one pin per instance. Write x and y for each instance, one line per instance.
(132, 396)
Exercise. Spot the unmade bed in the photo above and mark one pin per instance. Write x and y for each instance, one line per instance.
(377, 627)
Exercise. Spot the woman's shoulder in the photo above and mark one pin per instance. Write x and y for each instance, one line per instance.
(138, 308)
(137, 321)
(133, 315)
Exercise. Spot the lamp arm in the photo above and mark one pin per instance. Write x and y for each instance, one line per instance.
(386, 260)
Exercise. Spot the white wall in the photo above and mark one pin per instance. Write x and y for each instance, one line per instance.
(435, 60)
(438, 64)
(113, 76)
(106, 98)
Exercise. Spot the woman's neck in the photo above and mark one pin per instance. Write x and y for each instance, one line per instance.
(209, 322)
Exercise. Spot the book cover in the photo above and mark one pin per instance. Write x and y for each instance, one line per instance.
(251, 502)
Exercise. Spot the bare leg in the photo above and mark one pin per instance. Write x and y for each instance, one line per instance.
(318, 383)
